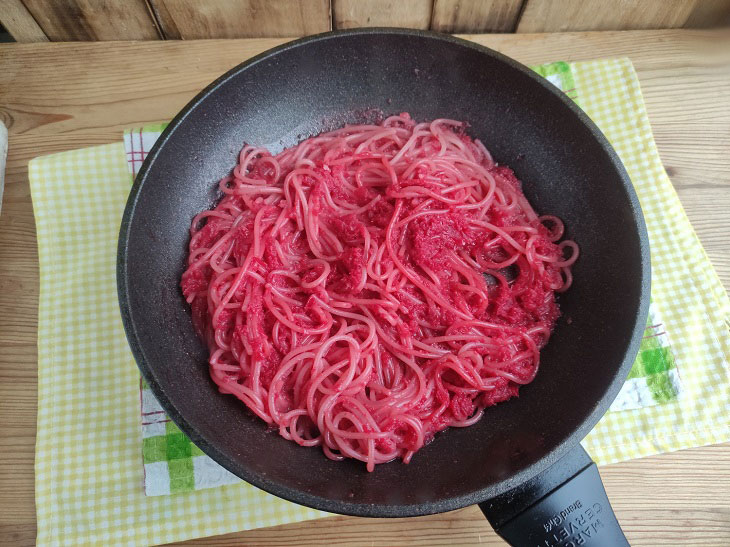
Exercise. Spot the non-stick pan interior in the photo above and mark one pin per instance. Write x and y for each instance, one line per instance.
(568, 170)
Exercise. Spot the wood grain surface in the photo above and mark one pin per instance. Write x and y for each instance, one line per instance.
(72, 20)
(192, 19)
(673, 499)
(476, 15)
(567, 15)
(381, 13)
(709, 14)
(18, 21)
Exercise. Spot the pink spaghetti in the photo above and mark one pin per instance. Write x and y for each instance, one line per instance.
(374, 285)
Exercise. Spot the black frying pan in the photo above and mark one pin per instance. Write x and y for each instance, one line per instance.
(522, 462)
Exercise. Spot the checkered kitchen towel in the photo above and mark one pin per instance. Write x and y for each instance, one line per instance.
(172, 463)
(88, 472)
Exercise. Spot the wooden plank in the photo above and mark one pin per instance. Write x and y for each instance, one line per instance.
(709, 13)
(165, 21)
(475, 15)
(193, 19)
(572, 15)
(93, 20)
(105, 89)
(382, 13)
(18, 21)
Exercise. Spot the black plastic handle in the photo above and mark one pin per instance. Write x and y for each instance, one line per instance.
(564, 506)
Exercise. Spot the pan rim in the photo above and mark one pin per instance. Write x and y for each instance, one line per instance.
(353, 508)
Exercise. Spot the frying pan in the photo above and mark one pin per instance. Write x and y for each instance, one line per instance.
(522, 463)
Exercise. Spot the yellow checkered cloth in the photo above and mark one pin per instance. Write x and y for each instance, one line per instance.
(88, 459)
(685, 287)
(89, 481)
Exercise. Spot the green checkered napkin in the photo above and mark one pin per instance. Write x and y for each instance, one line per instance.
(654, 377)
(173, 464)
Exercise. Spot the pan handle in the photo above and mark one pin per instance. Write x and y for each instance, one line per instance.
(564, 506)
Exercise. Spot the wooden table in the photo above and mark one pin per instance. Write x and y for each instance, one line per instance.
(56, 97)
